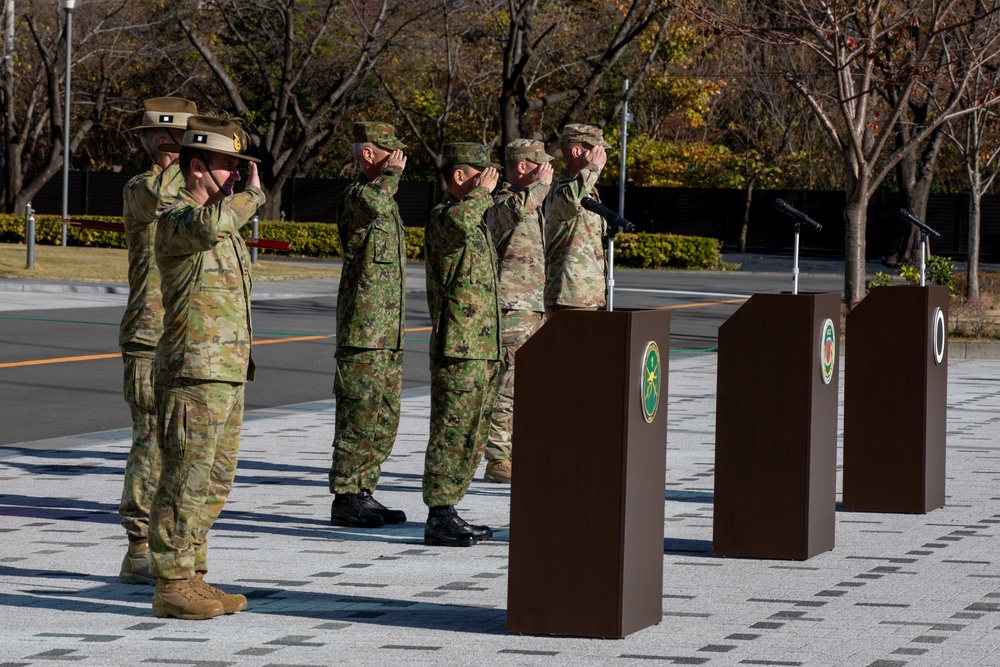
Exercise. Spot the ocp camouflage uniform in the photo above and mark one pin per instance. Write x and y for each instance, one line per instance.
(463, 300)
(370, 329)
(516, 225)
(138, 334)
(574, 254)
(201, 364)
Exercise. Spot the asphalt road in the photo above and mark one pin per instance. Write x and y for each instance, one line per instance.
(294, 347)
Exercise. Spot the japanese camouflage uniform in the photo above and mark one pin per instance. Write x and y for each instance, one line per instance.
(370, 322)
(464, 305)
(142, 322)
(516, 225)
(202, 360)
(574, 254)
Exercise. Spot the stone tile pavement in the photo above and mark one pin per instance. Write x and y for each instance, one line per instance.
(897, 589)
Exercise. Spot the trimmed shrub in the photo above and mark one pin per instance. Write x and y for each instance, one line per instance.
(663, 251)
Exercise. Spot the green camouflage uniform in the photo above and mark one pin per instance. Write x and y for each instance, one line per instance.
(370, 330)
(140, 330)
(576, 273)
(516, 225)
(201, 364)
(463, 300)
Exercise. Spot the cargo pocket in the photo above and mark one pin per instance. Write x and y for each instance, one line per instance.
(352, 379)
(384, 242)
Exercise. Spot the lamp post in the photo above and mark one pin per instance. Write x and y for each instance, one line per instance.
(68, 6)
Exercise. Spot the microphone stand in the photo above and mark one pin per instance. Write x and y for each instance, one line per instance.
(923, 258)
(795, 260)
(610, 287)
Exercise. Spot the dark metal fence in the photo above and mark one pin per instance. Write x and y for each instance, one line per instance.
(690, 211)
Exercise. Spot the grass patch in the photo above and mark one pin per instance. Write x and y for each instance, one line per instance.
(110, 265)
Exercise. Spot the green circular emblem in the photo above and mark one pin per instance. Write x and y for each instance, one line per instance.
(651, 375)
(827, 350)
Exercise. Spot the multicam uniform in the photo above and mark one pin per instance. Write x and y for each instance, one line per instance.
(140, 330)
(201, 364)
(576, 273)
(463, 300)
(516, 225)
(370, 331)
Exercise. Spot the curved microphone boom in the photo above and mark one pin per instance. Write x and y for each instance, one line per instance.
(914, 220)
(795, 214)
(600, 209)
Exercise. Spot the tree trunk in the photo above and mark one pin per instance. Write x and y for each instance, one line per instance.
(975, 208)
(855, 217)
(746, 218)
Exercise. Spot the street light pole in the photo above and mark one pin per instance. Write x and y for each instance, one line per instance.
(68, 6)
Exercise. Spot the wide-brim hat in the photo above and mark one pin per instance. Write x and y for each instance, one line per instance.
(163, 112)
(583, 134)
(467, 152)
(382, 135)
(528, 150)
(218, 135)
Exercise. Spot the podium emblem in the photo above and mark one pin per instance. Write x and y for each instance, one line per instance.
(827, 350)
(651, 376)
(940, 336)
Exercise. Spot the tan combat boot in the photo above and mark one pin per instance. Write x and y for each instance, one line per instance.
(231, 602)
(136, 568)
(498, 471)
(181, 598)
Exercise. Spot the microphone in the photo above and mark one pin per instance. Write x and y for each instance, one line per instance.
(600, 209)
(912, 219)
(795, 214)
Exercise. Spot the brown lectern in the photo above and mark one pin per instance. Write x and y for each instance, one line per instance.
(776, 427)
(895, 400)
(586, 510)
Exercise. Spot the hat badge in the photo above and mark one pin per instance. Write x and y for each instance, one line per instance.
(237, 144)
(166, 118)
(199, 138)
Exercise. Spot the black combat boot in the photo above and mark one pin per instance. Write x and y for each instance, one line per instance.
(350, 510)
(375, 507)
(445, 529)
(481, 532)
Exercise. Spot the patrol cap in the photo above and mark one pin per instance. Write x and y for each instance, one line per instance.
(166, 112)
(527, 149)
(219, 135)
(382, 135)
(466, 152)
(583, 134)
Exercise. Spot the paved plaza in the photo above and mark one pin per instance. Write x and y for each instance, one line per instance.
(896, 590)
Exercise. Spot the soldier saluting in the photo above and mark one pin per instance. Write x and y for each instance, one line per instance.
(371, 302)
(202, 361)
(463, 300)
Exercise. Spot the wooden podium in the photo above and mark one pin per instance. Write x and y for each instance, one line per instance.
(587, 500)
(776, 427)
(895, 400)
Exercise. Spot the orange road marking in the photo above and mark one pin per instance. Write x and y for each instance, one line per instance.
(117, 355)
(699, 305)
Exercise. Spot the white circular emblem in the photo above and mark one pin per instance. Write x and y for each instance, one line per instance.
(827, 350)
(940, 336)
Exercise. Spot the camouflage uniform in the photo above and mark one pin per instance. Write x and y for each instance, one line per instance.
(140, 330)
(516, 225)
(576, 273)
(370, 324)
(201, 364)
(463, 300)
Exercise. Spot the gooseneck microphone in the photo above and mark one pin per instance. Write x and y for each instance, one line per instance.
(795, 214)
(921, 225)
(600, 209)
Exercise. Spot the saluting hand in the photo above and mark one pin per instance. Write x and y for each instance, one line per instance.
(487, 178)
(395, 159)
(597, 156)
(253, 179)
(544, 173)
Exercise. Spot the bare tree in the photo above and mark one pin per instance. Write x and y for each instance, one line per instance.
(291, 70)
(859, 48)
(32, 94)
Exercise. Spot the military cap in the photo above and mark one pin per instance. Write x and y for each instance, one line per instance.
(219, 135)
(527, 149)
(583, 134)
(382, 135)
(166, 112)
(466, 152)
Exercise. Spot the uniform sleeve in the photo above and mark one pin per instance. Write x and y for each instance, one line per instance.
(465, 216)
(513, 207)
(140, 199)
(375, 193)
(566, 199)
(186, 229)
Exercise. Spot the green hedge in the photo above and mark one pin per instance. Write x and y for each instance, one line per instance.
(320, 239)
